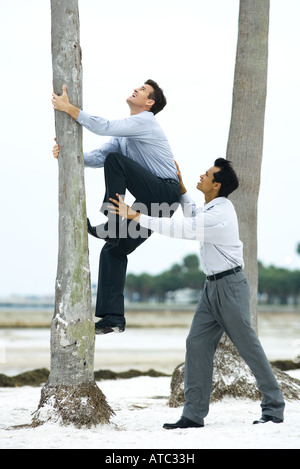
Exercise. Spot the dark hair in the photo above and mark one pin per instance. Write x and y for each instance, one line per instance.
(226, 176)
(157, 95)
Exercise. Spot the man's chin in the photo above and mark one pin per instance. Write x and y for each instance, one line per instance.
(130, 101)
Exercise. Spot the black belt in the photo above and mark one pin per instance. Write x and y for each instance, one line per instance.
(210, 278)
(172, 181)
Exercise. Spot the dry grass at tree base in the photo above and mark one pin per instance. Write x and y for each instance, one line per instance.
(82, 406)
(232, 378)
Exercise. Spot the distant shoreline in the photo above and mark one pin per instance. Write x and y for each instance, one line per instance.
(138, 315)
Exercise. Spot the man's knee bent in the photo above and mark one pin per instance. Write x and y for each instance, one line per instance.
(112, 158)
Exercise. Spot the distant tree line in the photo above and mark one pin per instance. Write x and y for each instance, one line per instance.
(145, 287)
(275, 284)
(278, 285)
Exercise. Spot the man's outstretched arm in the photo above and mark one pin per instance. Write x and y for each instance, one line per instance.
(62, 103)
(191, 228)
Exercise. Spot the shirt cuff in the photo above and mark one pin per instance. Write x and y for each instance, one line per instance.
(82, 117)
(144, 220)
(185, 197)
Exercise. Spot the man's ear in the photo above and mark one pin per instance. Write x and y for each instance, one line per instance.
(217, 186)
(150, 103)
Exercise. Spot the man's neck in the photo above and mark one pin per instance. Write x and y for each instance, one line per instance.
(136, 110)
(209, 197)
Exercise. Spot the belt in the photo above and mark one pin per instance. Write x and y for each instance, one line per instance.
(172, 181)
(211, 278)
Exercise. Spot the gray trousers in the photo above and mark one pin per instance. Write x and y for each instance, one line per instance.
(224, 307)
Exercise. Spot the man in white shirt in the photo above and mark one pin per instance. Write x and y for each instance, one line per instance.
(224, 302)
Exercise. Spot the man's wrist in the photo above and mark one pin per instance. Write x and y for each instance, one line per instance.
(136, 217)
(73, 111)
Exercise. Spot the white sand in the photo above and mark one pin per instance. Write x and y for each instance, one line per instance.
(140, 404)
(141, 409)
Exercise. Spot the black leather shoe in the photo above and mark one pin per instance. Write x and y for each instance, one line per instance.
(183, 422)
(91, 229)
(100, 233)
(110, 324)
(267, 418)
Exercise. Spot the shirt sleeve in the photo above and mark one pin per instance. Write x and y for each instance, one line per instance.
(220, 228)
(212, 226)
(184, 228)
(188, 206)
(96, 158)
(131, 126)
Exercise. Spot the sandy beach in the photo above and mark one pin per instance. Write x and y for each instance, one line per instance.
(141, 408)
(141, 404)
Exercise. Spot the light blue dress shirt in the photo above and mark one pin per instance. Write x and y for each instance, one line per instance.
(138, 137)
(214, 225)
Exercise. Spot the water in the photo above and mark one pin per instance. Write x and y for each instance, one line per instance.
(141, 348)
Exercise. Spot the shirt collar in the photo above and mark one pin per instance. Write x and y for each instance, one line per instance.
(212, 203)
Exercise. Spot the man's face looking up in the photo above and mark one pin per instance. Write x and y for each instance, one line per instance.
(139, 100)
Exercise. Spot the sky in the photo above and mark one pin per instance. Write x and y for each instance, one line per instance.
(189, 49)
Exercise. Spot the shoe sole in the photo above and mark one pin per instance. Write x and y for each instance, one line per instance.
(168, 427)
(262, 421)
(107, 330)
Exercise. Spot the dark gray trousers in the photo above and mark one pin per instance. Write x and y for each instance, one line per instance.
(224, 307)
(122, 173)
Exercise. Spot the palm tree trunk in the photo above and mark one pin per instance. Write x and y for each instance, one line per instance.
(245, 142)
(71, 394)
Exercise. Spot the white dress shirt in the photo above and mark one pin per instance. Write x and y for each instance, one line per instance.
(214, 225)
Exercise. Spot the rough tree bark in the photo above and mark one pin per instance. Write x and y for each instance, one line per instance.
(245, 142)
(71, 394)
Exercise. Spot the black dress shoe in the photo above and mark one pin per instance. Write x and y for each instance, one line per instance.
(268, 418)
(101, 233)
(91, 229)
(110, 324)
(183, 422)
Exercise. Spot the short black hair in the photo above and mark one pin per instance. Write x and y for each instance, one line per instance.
(157, 95)
(226, 177)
